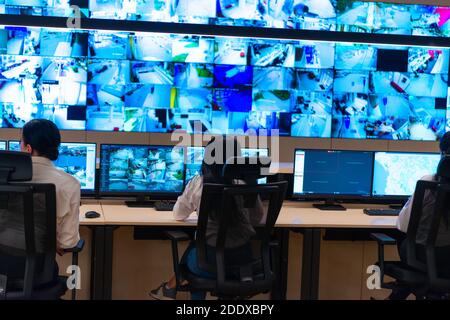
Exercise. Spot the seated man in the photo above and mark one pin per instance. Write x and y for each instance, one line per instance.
(41, 138)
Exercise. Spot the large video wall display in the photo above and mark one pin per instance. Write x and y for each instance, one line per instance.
(151, 82)
(330, 15)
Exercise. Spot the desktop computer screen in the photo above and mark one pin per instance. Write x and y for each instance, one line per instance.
(139, 169)
(332, 173)
(14, 145)
(396, 173)
(77, 159)
(195, 158)
(2, 145)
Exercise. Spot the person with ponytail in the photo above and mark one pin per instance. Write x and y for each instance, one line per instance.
(41, 139)
(400, 293)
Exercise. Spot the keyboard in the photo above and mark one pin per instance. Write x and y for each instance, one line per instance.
(164, 205)
(382, 212)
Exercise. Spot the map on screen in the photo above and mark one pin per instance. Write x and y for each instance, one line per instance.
(396, 174)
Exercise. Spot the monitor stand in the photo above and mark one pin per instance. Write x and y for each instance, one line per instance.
(140, 202)
(329, 206)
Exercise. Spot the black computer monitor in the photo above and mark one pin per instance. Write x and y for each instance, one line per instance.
(77, 159)
(3, 145)
(395, 174)
(141, 171)
(195, 158)
(332, 175)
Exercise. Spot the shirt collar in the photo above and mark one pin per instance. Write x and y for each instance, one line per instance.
(42, 160)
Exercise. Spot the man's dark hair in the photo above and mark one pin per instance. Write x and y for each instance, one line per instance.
(445, 143)
(43, 136)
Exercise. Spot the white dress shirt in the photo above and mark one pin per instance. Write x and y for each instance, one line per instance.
(67, 200)
(189, 201)
(405, 214)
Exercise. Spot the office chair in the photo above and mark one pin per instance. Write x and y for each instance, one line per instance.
(424, 273)
(27, 233)
(234, 275)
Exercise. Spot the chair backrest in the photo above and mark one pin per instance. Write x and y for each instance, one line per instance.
(428, 234)
(438, 237)
(28, 227)
(234, 229)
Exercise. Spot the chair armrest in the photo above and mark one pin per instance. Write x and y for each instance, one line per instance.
(177, 235)
(383, 239)
(78, 248)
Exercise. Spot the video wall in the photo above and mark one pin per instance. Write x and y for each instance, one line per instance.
(149, 82)
(329, 15)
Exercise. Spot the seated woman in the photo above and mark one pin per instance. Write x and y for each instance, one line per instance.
(41, 138)
(238, 236)
(405, 215)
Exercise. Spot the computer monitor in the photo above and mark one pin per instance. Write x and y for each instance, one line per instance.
(140, 170)
(2, 145)
(195, 158)
(395, 174)
(14, 145)
(77, 159)
(332, 174)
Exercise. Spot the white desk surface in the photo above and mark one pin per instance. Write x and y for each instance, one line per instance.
(293, 214)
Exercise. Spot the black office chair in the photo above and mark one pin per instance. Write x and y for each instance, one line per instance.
(424, 273)
(27, 233)
(234, 277)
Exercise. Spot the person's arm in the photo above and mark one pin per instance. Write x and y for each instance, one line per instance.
(404, 215)
(68, 220)
(189, 201)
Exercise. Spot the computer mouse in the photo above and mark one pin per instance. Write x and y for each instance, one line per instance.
(92, 214)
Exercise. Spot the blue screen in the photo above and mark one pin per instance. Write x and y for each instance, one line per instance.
(2, 145)
(141, 169)
(149, 82)
(321, 172)
(14, 145)
(328, 15)
(397, 173)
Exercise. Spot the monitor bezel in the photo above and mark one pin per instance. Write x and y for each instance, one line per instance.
(393, 197)
(315, 196)
(131, 194)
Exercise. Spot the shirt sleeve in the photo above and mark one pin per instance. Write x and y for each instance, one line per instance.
(189, 201)
(405, 213)
(68, 207)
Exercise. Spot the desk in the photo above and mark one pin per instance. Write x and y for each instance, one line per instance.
(98, 258)
(310, 221)
(297, 216)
